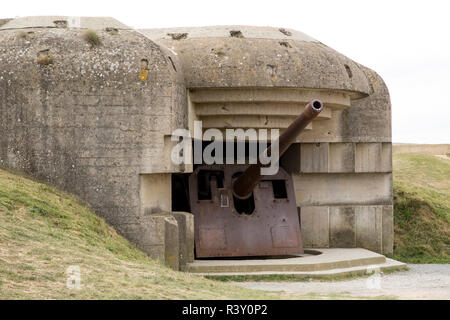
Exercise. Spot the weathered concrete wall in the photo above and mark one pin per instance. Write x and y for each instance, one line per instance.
(79, 117)
(349, 176)
(369, 119)
(346, 199)
(357, 191)
(433, 149)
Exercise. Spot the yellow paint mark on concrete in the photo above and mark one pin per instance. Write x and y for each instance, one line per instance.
(143, 75)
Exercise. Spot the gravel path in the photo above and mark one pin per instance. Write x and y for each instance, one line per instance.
(422, 281)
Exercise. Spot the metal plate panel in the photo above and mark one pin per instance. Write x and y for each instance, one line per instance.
(220, 231)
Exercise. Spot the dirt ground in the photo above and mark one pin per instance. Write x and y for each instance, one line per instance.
(422, 281)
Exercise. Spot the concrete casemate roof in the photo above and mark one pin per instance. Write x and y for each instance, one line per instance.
(247, 56)
(116, 62)
(63, 21)
(249, 32)
(237, 56)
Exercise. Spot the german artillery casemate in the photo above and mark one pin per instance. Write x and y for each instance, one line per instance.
(96, 119)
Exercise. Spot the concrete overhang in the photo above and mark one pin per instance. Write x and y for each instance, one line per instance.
(260, 57)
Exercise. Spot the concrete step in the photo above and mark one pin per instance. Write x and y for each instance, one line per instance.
(317, 262)
(389, 265)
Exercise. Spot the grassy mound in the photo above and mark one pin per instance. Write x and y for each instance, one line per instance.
(421, 208)
(44, 231)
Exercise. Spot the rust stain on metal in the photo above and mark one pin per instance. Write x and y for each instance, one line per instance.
(270, 228)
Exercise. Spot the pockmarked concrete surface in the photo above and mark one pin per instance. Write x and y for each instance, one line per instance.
(422, 281)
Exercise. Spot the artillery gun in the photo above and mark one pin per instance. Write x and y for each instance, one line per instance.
(240, 212)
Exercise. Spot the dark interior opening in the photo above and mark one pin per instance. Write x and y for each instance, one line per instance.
(317, 105)
(204, 183)
(243, 206)
(279, 189)
(180, 192)
(246, 206)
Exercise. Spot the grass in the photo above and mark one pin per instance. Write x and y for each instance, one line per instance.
(421, 208)
(91, 37)
(44, 231)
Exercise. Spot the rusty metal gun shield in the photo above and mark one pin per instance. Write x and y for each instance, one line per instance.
(265, 224)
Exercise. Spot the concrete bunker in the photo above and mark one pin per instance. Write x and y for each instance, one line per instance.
(90, 123)
(340, 165)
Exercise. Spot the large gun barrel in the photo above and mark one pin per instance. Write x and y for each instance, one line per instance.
(243, 186)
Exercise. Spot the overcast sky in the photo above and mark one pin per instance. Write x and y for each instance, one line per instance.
(406, 42)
